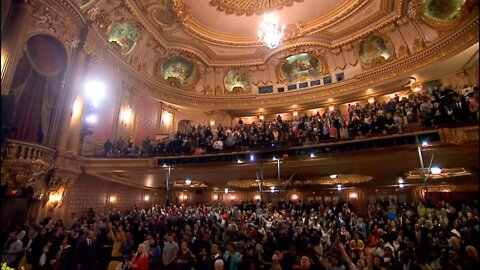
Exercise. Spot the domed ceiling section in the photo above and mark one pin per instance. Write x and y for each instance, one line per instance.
(206, 53)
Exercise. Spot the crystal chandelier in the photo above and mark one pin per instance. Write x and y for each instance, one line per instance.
(271, 30)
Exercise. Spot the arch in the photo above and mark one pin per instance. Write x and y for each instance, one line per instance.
(36, 85)
(185, 125)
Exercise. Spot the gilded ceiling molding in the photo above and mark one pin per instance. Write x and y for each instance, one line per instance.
(250, 7)
(340, 12)
(172, 95)
(375, 51)
(444, 15)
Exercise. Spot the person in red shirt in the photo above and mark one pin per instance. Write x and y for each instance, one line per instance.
(140, 259)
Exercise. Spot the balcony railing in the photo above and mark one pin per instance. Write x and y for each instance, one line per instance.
(28, 152)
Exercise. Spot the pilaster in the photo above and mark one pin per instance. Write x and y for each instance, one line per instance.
(13, 41)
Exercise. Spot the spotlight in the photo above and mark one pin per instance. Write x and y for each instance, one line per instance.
(401, 185)
(273, 145)
(164, 165)
(339, 187)
(424, 143)
(147, 198)
(188, 182)
(91, 119)
(239, 161)
(272, 189)
(401, 181)
(95, 91)
(333, 176)
(312, 155)
(274, 158)
(252, 158)
(226, 191)
(436, 170)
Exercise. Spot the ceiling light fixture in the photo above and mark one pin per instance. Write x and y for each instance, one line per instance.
(271, 31)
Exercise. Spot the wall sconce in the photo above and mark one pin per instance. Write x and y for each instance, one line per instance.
(54, 199)
(294, 197)
(126, 115)
(257, 197)
(183, 197)
(146, 198)
(353, 195)
(215, 197)
(112, 199)
(371, 100)
(331, 108)
(261, 117)
(167, 118)
(232, 197)
(212, 123)
(77, 109)
(295, 113)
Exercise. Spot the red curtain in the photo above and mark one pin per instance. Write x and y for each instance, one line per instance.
(36, 85)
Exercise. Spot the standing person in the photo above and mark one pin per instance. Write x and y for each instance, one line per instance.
(186, 259)
(170, 253)
(232, 258)
(64, 259)
(107, 146)
(33, 248)
(11, 250)
(140, 259)
(204, 262)
(86, 252)
(356, 247)
(154, 255)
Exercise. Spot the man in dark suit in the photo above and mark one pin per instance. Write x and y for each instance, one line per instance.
(87, 252)
(32, 247)
(460, 109)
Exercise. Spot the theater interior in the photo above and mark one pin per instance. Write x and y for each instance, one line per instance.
(114, 105)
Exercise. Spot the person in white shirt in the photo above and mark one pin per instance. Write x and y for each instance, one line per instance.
(11, 250)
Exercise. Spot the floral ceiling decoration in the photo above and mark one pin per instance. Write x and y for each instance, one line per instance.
(301, 67)
(178, 71)
(250, 7)
(375, 51)
(340, 179)
(237, 81)
(193, 184)
(125, 35)
(250, 183)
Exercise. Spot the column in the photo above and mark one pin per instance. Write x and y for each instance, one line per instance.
(13, 39)
(6, 5)
(73, 84)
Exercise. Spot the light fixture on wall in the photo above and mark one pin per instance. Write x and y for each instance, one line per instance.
(233, 197)
(212, 123)
(126, 115)
(261, 117)
(112, 199)
(226, 191)
(257, 197)
(339, 187)
(294, 197)
(146, 198)
(371, 100)
(77, 109)
(331, 108)
(295, 113)
(167, 118)
(188, 182)
(353, 195)
(54, 199)
(215, 197)
(271, 30)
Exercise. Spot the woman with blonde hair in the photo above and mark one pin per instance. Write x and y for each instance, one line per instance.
(140, 259)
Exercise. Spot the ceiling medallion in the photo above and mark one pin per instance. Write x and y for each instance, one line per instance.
(271, 31)
(250, 7)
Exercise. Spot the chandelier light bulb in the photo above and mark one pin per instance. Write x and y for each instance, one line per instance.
(271, 30)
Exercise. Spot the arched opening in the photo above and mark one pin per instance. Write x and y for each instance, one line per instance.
(186, 125)
(36, 86)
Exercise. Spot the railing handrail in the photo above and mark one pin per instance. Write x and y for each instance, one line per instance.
(30, 144)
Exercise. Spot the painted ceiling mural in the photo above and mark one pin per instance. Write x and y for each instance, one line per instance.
(163, 13)
(301, 67)
(178, 70)
(82, 3)
(375, 51)
(125, 35)
(444, 10)
(237, 80)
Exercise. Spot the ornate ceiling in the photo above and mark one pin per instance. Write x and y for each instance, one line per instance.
(205, 54)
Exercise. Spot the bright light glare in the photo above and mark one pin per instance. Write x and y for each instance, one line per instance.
(312, 155)
(339, 187)
(436, 170)
(401, 185)
(188, 182)
(333, 176)
(147, 198)
(424, 143)
(252, 158)
(226, 190)
(94, 91)
(91, 119)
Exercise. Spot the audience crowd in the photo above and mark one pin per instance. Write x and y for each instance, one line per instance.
(430, 108)
(254, 235)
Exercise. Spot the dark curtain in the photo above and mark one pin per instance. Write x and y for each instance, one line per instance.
(36, 85)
